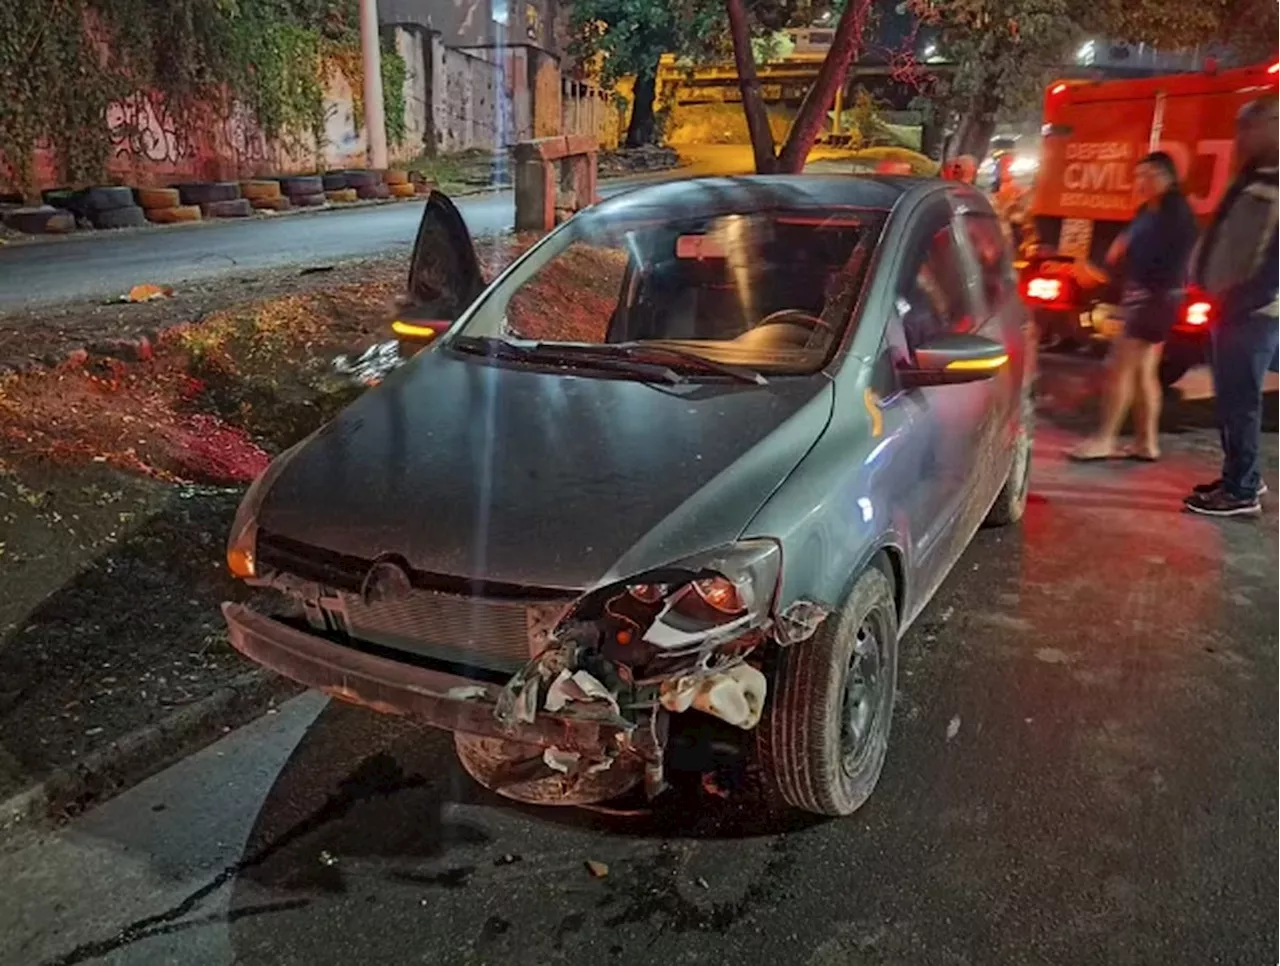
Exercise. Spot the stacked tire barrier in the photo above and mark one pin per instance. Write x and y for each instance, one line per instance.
(398, 183)
(216, 199)
(163, 206)
(368, 184)
(304, 191)
(117, 206)
(265, 195)
(112, 206)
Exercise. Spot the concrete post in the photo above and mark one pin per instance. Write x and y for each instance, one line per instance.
(374, 122)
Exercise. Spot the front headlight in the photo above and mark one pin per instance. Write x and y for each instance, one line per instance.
(690, 614)
(725, 593)
(242, 545)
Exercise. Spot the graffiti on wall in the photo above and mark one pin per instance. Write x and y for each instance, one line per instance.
(142, 129)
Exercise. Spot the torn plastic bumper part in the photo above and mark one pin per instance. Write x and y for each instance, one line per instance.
(434, 698)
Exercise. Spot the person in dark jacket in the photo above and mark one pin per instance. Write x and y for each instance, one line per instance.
(1151, 256)
(1236, 265)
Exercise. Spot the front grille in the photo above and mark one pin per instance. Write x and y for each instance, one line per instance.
(497, 634)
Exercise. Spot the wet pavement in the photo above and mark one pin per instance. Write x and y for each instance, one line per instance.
(1082, 771)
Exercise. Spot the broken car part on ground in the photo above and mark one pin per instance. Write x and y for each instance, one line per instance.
(646, 478)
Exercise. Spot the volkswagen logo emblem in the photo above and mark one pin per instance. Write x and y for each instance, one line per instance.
(385, 581)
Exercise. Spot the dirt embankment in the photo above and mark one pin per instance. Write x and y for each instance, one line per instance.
(120, 469)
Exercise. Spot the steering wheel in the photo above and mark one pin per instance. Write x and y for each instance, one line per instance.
(796, 317)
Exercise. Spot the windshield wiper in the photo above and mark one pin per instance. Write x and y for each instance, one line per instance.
(636, 350)
(564, 354)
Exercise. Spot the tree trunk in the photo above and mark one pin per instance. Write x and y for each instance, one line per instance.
(977, 124)
(832, 74)
(749, 84)
(642, 128)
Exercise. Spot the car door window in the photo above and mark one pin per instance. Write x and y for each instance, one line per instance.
(932, 298)
(991, 251)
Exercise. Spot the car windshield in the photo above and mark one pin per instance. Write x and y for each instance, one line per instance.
(769, 290)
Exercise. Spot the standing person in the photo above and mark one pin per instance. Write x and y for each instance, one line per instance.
(1236, 265)
(1152, 257)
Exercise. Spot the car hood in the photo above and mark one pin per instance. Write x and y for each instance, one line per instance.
(520, 476)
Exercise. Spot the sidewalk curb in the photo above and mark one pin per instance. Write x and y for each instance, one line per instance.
(136, 756)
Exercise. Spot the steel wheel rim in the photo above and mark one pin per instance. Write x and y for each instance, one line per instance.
(863, 697)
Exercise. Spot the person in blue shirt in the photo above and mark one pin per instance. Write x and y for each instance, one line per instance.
(1237, 265)
(1150, 257)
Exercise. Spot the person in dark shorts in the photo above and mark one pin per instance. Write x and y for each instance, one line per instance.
(1151, 258)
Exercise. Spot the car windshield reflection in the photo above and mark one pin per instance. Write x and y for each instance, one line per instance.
(763, 290)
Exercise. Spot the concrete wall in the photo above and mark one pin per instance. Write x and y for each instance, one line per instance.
(465, 100)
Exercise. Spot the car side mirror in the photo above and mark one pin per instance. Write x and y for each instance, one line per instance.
(953, 359)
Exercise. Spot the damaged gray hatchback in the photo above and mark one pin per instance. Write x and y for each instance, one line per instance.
(707, 449)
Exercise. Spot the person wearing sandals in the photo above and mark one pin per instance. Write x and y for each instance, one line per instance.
(1237, 265)
(1151, 257)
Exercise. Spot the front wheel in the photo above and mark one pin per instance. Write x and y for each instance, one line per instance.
(825, 732)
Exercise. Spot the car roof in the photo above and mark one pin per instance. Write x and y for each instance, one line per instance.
(708, 197)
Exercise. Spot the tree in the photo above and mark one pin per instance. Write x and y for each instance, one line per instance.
(845, 45)
(1004, 52)
(629, 37)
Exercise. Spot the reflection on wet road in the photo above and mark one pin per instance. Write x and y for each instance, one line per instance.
(1082, 771)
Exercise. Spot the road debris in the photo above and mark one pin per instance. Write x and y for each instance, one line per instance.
(147, 293)
(598, 870)
(371, 366)
(328, 859)
(507, 858)
(576, 686)
(953, 727)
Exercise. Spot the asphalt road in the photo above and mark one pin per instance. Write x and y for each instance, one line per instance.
(92, 265)
(1082, 771)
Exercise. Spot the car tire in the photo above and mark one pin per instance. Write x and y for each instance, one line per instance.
(1011, 502)
(357, 178)
(232, 208)
(810, 754)
(373, 192)
(308, 200)
(207, 192)
(335, 181)
(260, 190)
(178, 214)
(44, 220)
(157, 198)
(130, 216)
(300, 185)
(107, 198)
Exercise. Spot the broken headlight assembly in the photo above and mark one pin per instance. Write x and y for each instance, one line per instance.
(692, 615)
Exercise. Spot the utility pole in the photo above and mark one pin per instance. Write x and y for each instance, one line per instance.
(374, 121)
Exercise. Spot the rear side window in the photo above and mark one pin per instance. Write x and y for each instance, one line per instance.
(991, 250)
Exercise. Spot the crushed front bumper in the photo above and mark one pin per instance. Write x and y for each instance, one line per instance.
(435, 698)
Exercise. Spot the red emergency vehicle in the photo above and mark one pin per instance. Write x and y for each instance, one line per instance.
(1094, 135)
